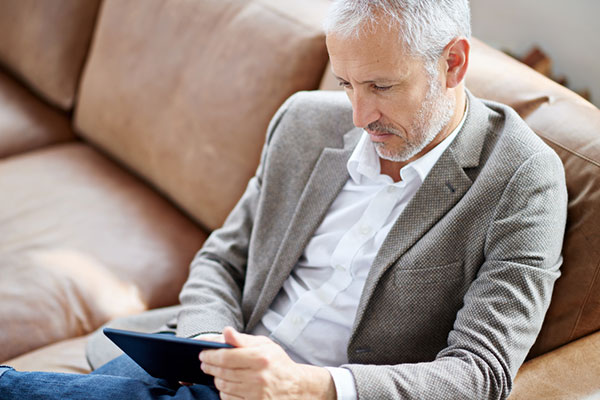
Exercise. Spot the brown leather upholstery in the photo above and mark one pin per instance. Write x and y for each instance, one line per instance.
(568, 373)
(182, 92)
(26, 122)
(65, 356)
(571, 126)
(82, 242)
(45, 43)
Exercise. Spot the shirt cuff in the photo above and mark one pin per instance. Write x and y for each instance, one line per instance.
(344, 383)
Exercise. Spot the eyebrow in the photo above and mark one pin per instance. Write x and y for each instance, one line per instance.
(376, 80)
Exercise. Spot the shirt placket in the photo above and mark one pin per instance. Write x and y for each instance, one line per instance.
(371, 221)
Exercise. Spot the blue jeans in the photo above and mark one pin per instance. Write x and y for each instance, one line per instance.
(121, 378)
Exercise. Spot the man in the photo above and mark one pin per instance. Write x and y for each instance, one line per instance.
(413, 256)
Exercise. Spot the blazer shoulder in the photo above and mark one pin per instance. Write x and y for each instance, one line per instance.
(313, 113)
(497, 139)
(319, 101)
(514, 133)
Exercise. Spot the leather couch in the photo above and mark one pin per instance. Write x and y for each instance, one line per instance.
(128, 130)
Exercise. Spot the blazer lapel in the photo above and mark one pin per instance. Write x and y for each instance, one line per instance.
(442, 189)
(325, 182)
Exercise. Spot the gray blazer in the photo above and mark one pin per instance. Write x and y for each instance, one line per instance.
(458, 291)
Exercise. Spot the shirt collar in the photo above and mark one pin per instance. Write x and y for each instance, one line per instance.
(363, 165)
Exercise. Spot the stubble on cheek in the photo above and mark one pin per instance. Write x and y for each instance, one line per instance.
(396, 147)
(384, 128)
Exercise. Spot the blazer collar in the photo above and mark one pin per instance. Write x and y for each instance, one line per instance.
(468, 145)
(324, 184)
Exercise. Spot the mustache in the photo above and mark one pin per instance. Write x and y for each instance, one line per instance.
(382, 128)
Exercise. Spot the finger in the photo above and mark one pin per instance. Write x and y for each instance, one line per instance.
(185, 383)
(211, 338)
(231, 337)
(234, 389)
(226, 396)
(239, 358)
(232, 375)
(238, 339)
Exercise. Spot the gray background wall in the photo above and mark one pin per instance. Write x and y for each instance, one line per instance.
(568, 31)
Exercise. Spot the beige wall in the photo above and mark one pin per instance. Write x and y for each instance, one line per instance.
(568, 31)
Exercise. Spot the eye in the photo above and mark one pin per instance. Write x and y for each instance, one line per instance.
(381, 88)
(344, 84)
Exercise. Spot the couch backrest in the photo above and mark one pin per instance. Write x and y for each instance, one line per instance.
(44, 42)
(182, 91)
(571, 126)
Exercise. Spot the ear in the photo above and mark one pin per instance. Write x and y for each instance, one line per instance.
(456, 54)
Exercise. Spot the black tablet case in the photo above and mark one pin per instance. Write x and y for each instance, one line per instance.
(165, 356)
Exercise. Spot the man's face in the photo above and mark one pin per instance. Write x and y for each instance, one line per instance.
(394, 98)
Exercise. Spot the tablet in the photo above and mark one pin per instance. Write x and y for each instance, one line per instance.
(165, 356)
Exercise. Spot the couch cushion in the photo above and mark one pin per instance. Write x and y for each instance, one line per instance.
(64, 356)
(100, 349)
(45, 43)
(82, 242)
(182, 92)
(571, 126)
(26, 122)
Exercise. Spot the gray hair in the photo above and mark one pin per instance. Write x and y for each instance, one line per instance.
(426, 26)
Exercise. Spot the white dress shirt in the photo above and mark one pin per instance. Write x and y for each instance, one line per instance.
(313, 313)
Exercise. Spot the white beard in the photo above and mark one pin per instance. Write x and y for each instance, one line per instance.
(435, 113)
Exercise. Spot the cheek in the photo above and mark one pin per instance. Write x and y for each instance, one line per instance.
(400, 114)
(401, 106)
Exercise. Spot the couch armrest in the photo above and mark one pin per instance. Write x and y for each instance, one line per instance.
(569, 372)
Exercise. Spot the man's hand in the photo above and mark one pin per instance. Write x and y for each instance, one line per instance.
(258, 368)
(209, 337)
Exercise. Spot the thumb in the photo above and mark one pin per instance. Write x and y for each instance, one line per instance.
(238, 339)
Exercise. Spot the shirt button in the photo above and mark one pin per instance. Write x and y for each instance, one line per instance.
(340, 268)
(321, 296)
(392, 189)
(297, 320)
(365, 230)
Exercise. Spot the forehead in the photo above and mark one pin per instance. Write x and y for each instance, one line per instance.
(377, 51)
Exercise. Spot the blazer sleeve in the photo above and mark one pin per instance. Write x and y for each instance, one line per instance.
(212, 295)
(504, 307)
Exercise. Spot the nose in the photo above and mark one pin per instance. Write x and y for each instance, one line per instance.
(364, 109)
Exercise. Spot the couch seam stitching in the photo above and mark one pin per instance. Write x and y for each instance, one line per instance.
(586, 300)
(573, 152)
